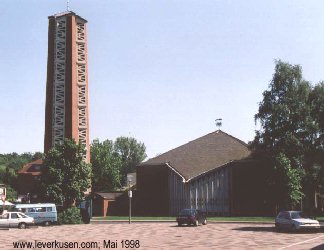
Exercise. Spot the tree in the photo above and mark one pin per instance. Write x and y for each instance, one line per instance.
(11, 194)
(286, 183)
(286, 128)
(316, 103)
(284, 114)
(131, 153)
(112, 161)
(9, 166)
(65, 174)
(106, 165)
(38, 155)
(314, 181)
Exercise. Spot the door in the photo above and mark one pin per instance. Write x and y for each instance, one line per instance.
(284, 220)
(4, 220)
(14, 220)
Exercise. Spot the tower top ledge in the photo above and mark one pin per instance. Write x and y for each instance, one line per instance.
(66, 13)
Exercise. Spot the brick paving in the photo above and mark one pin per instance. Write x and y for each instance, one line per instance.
(168, 235)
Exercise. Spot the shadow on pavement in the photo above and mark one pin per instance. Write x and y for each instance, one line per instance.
(273, 229)
(186, 226)
(256, 229)
(319, 247)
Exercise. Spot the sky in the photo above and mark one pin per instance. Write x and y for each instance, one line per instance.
(161, 71)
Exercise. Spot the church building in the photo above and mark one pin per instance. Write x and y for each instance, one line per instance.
(213, 173)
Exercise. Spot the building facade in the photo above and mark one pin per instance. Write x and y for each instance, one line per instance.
(213, 173)
(28, 183)
(67, 108)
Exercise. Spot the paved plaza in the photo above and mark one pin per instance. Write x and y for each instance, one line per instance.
(164, 235)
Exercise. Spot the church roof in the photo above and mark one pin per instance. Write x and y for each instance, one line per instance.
(202, 155)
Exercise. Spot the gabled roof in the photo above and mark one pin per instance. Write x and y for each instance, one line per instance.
(32, 168)
(109, 196)
(202, 155)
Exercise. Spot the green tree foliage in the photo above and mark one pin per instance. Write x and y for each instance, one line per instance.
(112, 161)
(131, 153)
(315, 149)
(38, 155)
(70, 216)
(9, 166)
(290, 115)
(316, 103)
(286, 182)
(106, 165)
(65, 175)
(11, 194)
(283, 114)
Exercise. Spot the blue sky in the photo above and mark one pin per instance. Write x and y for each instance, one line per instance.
(161, 71)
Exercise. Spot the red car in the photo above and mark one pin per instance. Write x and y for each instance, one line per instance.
(191, 217)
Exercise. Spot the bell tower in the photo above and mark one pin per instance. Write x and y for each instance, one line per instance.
(67, 108)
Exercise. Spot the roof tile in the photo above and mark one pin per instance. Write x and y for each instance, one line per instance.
(203, 154)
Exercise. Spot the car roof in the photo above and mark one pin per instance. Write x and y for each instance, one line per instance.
(12, 212)
(291, 211)
(35, 205)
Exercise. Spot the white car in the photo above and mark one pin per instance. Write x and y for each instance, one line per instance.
(15, 219)
(294, 220)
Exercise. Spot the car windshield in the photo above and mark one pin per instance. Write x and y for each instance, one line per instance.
(23, 215)
(296, 215)
(187, 212)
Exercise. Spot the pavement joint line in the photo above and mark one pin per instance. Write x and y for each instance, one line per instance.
(302, 242)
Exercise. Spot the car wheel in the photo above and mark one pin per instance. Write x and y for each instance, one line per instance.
(196, 223)
(22, 225)
(47, 223)
(179, 224)
(205, 222)
(277, 227)
(293, 228)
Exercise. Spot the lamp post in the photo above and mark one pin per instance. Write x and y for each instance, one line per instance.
(130, 194)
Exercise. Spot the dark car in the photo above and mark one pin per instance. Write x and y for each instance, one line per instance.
(191, 217)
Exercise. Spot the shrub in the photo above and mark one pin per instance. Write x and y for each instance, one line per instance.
(70, 216)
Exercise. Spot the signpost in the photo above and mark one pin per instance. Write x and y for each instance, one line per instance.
(130, 195)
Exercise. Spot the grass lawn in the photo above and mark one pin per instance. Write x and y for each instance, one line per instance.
(252, 219)
(320, 218)
(133, 218)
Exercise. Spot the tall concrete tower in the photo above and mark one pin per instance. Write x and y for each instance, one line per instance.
(67, 110)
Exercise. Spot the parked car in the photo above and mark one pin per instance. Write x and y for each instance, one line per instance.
(191, 217)
(295, 220)
(15, 219)
(43, 213)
